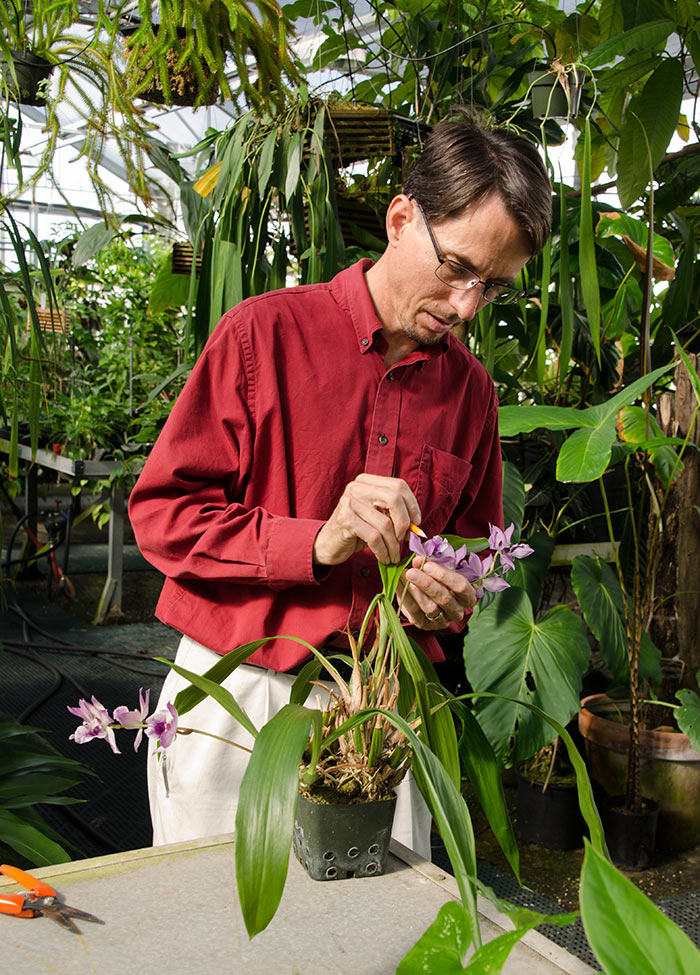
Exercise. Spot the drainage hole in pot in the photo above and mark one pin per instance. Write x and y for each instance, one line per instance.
(332, 872)
(353, 852)
(373, 850)
(371, 867)
(329, 855)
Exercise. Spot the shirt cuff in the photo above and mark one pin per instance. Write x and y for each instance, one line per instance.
(290, 552)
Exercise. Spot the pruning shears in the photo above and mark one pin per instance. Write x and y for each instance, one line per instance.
(41, 899)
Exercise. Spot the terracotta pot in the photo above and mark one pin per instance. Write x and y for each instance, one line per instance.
(670, 768)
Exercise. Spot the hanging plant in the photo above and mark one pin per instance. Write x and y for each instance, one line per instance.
(186, 53)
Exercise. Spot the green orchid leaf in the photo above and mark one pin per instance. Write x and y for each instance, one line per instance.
(267, 158)
(443, 947)
(584, 789)
(484, 772)
(492, 956)
(627, 932)
(566, 300)
(588, 268)
(265, 814)
(636, 426)
(472, 544)
(688, 716)
(302, 685)
(189, 697)
(294, 155)
(524, 917)
(219, 694)
(30, 842)
(541, 663)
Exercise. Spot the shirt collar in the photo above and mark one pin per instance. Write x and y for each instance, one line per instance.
(350, 290)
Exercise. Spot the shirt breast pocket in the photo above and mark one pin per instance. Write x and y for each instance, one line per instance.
(442, 478)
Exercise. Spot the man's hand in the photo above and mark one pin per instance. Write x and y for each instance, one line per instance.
(374, 512)
(436, 596)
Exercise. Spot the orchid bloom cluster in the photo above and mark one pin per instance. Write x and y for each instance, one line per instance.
(161, 726)
(481, 573)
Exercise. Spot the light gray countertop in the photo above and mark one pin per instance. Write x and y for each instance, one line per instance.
(175, 909)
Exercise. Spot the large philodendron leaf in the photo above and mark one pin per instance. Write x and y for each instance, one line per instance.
(542, 663)
(600, 597)
(627, 932)
(688, 716)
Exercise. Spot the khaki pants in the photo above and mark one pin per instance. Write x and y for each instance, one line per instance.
(196, 794)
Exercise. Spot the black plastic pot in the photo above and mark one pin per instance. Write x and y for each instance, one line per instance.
(548, 98)
(30, 71)
(335, 841)
(551, 819)
(631, 837)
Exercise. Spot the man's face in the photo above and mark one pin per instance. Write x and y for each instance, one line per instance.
(483, 238)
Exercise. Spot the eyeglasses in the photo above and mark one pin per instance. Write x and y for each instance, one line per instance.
(463, 279)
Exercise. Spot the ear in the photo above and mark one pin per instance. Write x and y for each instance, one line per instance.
(399, 215)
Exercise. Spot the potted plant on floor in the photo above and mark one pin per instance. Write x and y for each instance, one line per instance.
(523, 661)
(618, 605)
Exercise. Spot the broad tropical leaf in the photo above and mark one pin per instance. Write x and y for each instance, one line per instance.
(688, 716)
(541, 663)
(265, 814)
(627, 932)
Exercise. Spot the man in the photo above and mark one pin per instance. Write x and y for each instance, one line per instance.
(318, 423)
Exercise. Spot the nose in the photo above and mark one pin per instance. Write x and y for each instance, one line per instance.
(467, 303)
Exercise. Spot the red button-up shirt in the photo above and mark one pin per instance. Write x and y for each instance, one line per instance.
(290, 401)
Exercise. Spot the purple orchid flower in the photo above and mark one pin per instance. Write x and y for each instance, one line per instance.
(437, 549)
(134, 719)
(96, 724)
(499, 541)
(162, 727)
(481, 573)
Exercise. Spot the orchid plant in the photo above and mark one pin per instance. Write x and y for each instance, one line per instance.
(392, 714)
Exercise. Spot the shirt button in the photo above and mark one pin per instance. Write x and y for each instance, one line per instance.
(383, 440)
(364, 571)
(355, 634)
(365, 341)
(391, 377)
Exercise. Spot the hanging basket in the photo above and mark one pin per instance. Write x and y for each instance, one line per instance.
(31, 71)
(355, 134)
(181, 260)
(51, 320)
(336, 841)
(185, 88)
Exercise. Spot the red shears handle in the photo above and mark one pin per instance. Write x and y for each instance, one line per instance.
(36, 888)
(14, 904)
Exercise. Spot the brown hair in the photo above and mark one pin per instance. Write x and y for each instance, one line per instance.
(464, 162)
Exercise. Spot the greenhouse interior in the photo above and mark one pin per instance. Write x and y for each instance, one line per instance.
(425, 578)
